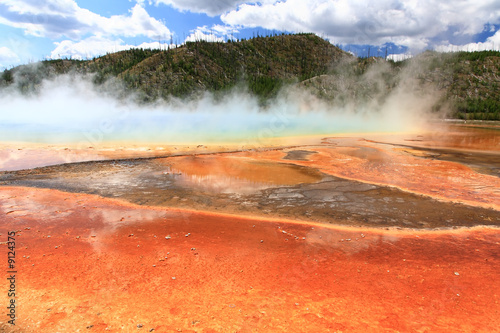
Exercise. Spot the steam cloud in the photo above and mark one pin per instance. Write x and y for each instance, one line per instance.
(70, 109)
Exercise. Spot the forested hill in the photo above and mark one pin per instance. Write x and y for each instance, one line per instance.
(468, 83)
(264, 64)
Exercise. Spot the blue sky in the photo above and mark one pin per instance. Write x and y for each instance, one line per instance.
(49, 29)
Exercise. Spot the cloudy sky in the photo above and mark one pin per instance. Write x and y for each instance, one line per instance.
(32, 30)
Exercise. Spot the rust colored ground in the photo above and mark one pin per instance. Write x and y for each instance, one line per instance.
(469, 137)
(361, 160)
(92, 265)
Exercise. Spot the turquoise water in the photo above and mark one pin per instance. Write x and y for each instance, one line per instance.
(75, 113)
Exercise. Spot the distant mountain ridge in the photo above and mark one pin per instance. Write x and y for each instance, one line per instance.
(468, 83)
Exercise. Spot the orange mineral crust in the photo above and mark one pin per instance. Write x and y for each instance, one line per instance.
(471, 137)
(99, 265)
(361, 160)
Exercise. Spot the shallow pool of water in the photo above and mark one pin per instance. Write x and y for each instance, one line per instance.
(221, 174)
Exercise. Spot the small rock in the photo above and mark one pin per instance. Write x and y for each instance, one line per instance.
(168, 237)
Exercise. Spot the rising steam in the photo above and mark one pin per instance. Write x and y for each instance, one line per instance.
(70, 109)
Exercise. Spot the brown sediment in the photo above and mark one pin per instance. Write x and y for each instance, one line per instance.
(298, 155)
(88, 263)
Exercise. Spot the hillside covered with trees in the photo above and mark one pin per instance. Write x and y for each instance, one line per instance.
(467, 82)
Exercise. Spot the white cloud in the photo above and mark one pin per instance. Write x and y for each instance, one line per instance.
(209, 7)
(224, 30)
(199, 35)
(59, 18)
(417, 24)
(217, 33)
(7, 57)
(414, 23)
(491, 43)
(153, 45)
(97, 46)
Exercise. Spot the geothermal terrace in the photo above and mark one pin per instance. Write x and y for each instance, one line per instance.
(335, 233)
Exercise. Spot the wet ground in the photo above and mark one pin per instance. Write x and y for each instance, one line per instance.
(338, 180)
(240, 186)
(365, 234)
(23, 156)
